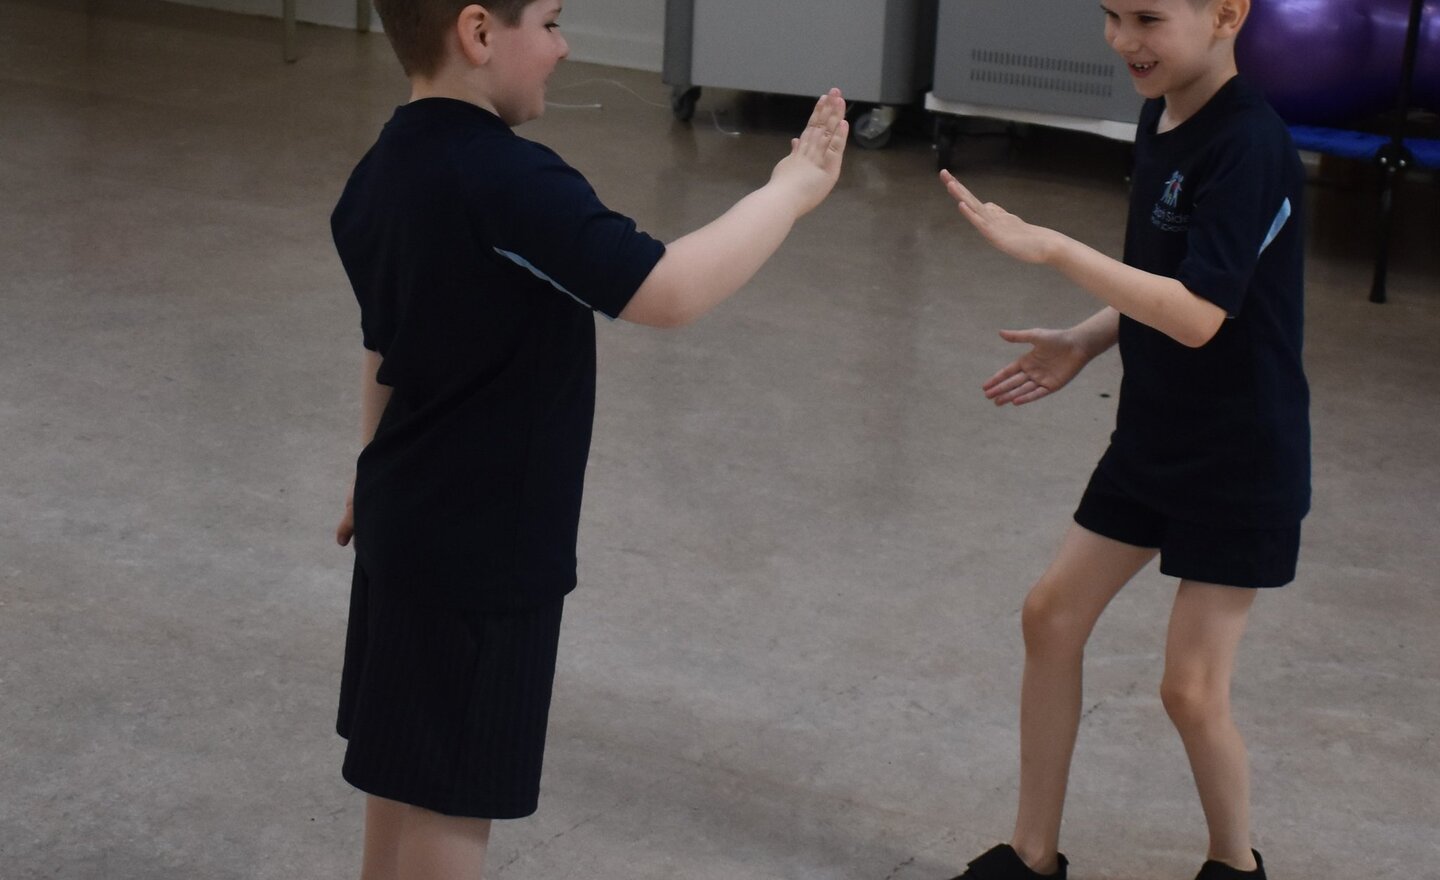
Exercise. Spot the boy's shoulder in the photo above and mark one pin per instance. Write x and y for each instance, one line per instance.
(1243, 115)
(1237, 128)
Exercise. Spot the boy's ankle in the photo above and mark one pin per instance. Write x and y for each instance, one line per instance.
(1004, 863)
(1038, 859)
(1215, 869)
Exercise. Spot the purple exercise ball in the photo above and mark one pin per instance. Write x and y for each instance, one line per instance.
(1312, 59)
(1331, 62)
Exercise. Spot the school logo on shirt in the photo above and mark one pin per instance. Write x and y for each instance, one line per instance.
(1163, 217)
(1173, 186)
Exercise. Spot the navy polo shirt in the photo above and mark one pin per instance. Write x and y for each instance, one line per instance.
(478, 259)
(1219, 434)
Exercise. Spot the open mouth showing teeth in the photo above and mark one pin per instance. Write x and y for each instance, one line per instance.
(1142, 67)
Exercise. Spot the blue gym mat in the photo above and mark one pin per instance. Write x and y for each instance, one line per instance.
(1360, 145)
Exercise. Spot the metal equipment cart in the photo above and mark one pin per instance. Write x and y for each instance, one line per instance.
(876, 52)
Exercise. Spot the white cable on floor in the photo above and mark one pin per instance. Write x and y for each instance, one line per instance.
(714, 116)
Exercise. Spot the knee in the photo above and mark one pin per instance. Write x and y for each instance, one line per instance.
(1194, 704)
(1048, 625)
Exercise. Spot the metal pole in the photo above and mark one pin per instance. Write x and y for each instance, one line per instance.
(362, 16)
(1394, 156)
(287, 15)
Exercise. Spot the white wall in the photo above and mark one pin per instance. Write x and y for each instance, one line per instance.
(623, 33)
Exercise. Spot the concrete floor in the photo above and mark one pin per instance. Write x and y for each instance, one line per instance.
(795, 650)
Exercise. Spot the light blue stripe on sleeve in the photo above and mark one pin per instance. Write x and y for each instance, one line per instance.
(527, 266)
(1281, 219)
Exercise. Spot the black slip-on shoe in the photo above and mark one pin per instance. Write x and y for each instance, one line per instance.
(1003, 863)
(1213, 870)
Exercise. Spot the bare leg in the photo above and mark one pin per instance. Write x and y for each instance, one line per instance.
(404, 842)
(1059, 614)
(1205, 629)
(384, 820)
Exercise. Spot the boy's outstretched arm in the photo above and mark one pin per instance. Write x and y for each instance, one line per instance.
(1055, 357)
(1159, 302)
(705, 267)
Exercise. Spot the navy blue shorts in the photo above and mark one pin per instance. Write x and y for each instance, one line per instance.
(1208, 554)
(446, 709)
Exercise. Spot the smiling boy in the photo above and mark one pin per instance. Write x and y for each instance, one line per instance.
(478, 259)
(1209, 463)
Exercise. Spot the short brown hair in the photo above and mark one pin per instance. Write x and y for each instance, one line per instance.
(416, 28)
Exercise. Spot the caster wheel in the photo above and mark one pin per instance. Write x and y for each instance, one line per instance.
(873, 130)
(683, 100)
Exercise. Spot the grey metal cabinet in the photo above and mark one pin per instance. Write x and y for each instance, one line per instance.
(876, 51)
(1037, 61)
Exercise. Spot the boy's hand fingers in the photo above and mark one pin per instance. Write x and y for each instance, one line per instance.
(829, 111)
(959, 192)
(1007, 385)
(1001, 375)
(965, 196)
(824, 135)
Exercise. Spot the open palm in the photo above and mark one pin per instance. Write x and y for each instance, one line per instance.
(1053, 360)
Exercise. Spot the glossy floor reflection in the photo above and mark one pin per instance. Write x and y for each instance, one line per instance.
(795, 650)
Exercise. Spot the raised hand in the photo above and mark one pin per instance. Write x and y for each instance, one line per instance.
(1055, 357)
(813, 166)
(1008, 233)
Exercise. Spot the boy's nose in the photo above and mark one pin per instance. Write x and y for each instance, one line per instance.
(1122, 39)
(564, 48)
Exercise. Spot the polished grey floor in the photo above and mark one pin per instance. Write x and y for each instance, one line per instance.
(795, 650)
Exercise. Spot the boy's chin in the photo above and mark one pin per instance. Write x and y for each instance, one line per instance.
(522, 115)
(1146, 88)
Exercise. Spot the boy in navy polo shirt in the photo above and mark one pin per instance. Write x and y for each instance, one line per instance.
(478, 259)
(1209, 464)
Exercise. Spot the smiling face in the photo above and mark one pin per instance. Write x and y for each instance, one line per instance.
(522, 58)
(1182, 50)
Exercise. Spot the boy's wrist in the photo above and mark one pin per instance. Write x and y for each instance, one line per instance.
(1053, 248)
(787, 197)
(1094, 336)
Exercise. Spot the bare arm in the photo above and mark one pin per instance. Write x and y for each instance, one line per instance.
(702, 269)
(373, 399)
(1154, 300)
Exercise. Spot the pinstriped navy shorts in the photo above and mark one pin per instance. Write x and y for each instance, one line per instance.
(446, 709)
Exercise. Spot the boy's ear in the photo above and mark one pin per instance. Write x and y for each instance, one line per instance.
(475, 28)
(1230, 16)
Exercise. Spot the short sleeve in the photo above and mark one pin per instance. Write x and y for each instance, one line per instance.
(547, 219)
(1240, 206)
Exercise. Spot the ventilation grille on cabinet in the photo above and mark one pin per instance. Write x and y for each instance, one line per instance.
(1051, 74)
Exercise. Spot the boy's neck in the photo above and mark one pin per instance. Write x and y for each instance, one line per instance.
(449, 85)
(1185, 103)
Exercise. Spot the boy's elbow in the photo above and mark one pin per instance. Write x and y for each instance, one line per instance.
(1202, 320)
(1199, 334)
(663, 300)
(673, 318)
(657, 307)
